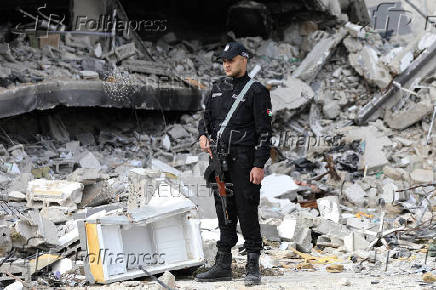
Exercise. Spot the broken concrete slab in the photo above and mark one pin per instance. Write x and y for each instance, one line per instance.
(330, 228)
(374, 158)
(44, 193)
(295, 96)
(353, 45)
(177, 132)
(34, 231)
(394, 173)
(405, 119)
(369, 66)
(85, 176)
(315, 60)
(16, 196)
(420, 67)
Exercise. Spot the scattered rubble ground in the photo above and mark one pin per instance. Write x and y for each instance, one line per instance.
(98, 152)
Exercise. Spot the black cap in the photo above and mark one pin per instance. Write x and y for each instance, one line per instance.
(232, 49)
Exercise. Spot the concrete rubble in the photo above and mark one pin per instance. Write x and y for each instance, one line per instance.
(351, 179)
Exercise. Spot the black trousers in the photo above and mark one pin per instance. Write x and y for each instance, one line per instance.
(242, 206)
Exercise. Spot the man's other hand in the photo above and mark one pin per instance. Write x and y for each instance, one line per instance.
(256, 175)
(204, 145)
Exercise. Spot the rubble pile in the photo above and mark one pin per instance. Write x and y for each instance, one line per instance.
(349, 187)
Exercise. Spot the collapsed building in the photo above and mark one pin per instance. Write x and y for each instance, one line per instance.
(98, 139)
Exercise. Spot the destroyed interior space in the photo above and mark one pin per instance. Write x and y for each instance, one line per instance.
(102, 175)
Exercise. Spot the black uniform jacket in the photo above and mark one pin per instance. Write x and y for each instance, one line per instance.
(250, 124)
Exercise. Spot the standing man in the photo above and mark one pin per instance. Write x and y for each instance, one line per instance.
(246, 134)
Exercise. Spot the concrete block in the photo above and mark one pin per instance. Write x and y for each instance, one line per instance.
(330, 228)
(315, 60)
(405, 119)
(142, 185)
(56, 214)
(97, 194)
(34, 232)
(304, 240)
(270, 232)
(355, 242)
(329, 208)
(368, 65)
(422, 176)
(45, 193)
(88, 160)
(168, 279)
(297, 229)
(73, 147)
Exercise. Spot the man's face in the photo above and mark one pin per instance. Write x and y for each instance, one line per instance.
(236, 66)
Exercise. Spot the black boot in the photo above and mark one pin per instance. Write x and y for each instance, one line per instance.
(252, 272)
(220, 271)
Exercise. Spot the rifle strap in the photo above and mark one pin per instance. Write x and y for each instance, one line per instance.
(233, 108)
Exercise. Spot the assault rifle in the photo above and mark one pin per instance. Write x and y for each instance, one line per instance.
(220, 166)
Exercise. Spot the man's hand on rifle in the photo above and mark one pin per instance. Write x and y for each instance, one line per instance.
(256, 175)
(204, 145)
